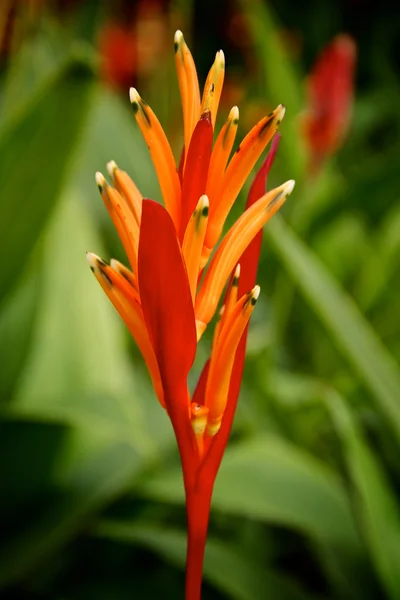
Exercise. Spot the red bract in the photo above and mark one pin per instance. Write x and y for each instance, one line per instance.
(163, 300)
(330, 97)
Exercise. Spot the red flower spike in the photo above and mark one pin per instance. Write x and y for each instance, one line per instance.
(330, 96)
(170, 305)
(196, 168)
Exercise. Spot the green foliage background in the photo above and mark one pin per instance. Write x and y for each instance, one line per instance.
(307, 501)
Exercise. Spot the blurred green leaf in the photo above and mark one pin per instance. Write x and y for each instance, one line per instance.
(34, 64)
(280, 75)
(17, 319)
(228, 569)
(380, 268)
(36, 149)
(342, 317)
(272, 481)
(375, 502)
(88, 474)
(281, 82)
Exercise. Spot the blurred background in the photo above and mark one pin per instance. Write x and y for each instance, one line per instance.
(307, 501)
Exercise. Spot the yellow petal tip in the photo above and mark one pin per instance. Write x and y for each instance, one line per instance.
(111, 167)
(100, 179)
(220, 58)
(133, 95)
(255, 292)
(234, 113)
(204, 201)
(92, 259)
(178, 37)
(288, 187)
(280, 112)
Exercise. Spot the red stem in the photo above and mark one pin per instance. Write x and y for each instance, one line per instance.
(198, 509)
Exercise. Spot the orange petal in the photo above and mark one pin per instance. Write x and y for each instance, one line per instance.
(213, 86)
(223, 358)
(231, 297)
(188, 85)
(233, 245)
(238, 171)
(193, 242)
(221, 152)
(125, 272)
(126, 301)
(122, 217)
(198, 420)
(161, 154)
(125, 186)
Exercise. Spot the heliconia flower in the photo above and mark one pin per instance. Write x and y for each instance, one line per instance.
(118, 52)
(176, 282)
(330, 90)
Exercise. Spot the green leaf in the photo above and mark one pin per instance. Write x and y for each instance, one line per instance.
(281, 84)
(375, 502)
(36, 149)
(17, 319)
(272, 481)
(226, 568)
(339, 313)
(86, 475)
(38, 60)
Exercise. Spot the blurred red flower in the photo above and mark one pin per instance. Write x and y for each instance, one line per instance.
(330, 90)
(117, 46)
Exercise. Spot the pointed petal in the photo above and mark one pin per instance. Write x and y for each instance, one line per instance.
(223, 357)
(239, 169)
(161, 154)
(193, 242)
(213, 86)
(126, 301)
(166, 300)
(122, 216)
(258, 189)
(220, 154)
(233, 245)
(125, 186)
(188, 86)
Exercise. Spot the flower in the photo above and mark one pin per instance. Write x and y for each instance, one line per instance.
(117, 45)
(330, 90)
(165, 300)
(131, 47)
